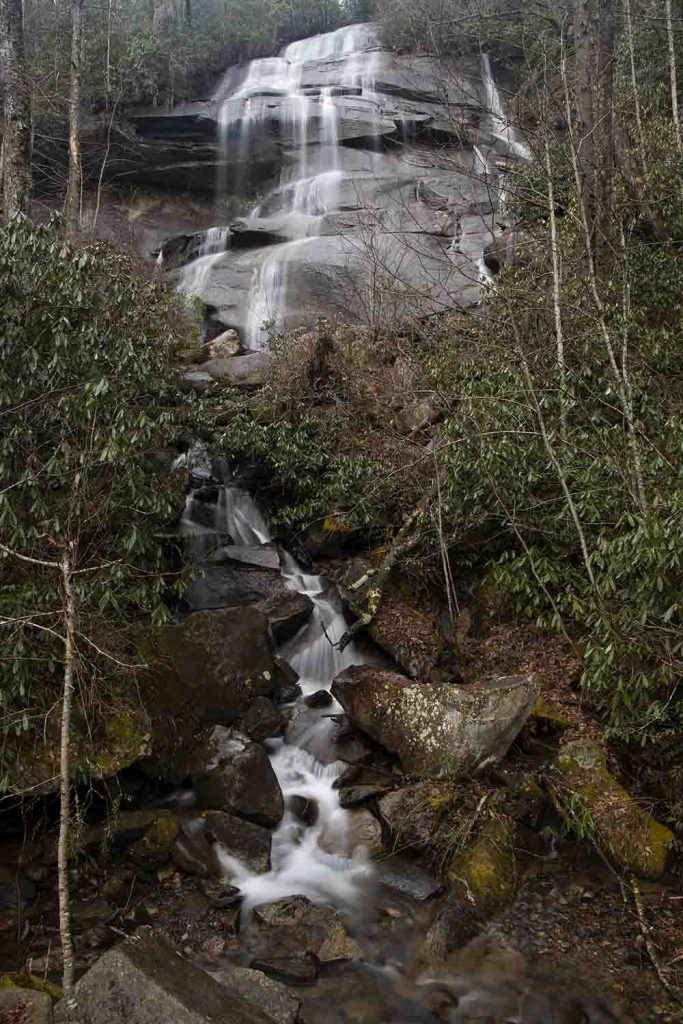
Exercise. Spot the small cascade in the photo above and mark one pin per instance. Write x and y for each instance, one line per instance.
(299, 865)
(500, 125)
(268, 296)
(195, 275)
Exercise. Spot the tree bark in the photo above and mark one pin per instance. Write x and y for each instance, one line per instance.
(69, 604)
(673, 76)
(16, 157)
(72, 206)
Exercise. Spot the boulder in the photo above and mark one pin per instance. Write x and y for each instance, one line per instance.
(241, 371)
(437, 728)
(352, 832)
(304, 809)
(410, 636)
(402, 876)
(262, 720)
(594, 804)
(286, 611)
(207, 670)
(192, 852)
(293, 926)
(154, 849)
(224, 345)
(233, 774)
(413, 815)
(22, 1006)
(275, 1000)
(146, 981)
(486, 870)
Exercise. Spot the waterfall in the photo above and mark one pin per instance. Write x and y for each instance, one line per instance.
(196, 274)
(299, 865)
(500, 125)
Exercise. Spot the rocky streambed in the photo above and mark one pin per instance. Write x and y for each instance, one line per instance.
(349, 836)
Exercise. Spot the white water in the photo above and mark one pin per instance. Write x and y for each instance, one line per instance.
(500, 125)
(299, 865)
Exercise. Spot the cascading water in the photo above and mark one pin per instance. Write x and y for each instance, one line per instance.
(500, 124)
(301, 761)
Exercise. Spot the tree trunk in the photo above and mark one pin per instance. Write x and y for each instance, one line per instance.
(69, 600)
(72, 206)
(673, 76)
(16, 156)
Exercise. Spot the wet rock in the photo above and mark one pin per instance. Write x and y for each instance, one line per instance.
(207, 670)
(247, 842)
(154, 849)
(456, 923)
(402, 876)
(286, 911)
(319, 699)
(220, 895)
(116, 891)
(293, 925)
(262, 720)
(437, 728)
(275, 1000)
(288, 694)
(354, 796)
(295, 970)
(263, 556)
(587, 795)
(21, 1006)
(286, 611)
(285, 676)
(338, 947)
(304, 809)
(126, 827)
(352, 833)
(411, 637)
(146, 981)
(85, 913)
(235, 775)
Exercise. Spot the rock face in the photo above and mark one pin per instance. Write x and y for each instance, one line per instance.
(590, 798)
(435, 728)
(146, 981)
(207, 670)
(235, 775)
(275, 1000)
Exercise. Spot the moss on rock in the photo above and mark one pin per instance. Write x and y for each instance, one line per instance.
(597, 807)
(487, 868)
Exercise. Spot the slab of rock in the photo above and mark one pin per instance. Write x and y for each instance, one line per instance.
(235, 775)
(263, 556)
(402, 876)
(411, 637)
(352, 833)
(275, 1000)
(241, 371)
(22, 1006)
(295, 970)
(192, 852)
(207, 670)
(583, 785)
(146, 981)
(437, 728)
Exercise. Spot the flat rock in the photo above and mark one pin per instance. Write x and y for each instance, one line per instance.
(274, 999)
(247, 842)
(402, 876)
(146, 981)
(241, 371)
(295, 970)
(352, 833)
(265, 556)
(286, 611)
(437, 728)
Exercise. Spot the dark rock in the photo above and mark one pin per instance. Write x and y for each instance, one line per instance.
(275, 1000)
(262, 721)
(286, 611)
(411, 637)
(192, 851)
(319, 699)
(412, 815)
(207, 670)
(437, 728)
(154, 849)
(288, 694)
(221, 895)
(304, 809)
(144, 980)
(286, 911)
(235, 775)
(354, 796)
(247, 842)
(285, 676)
(295, 970)
(402, 876)
(287, 926)
(263, 556)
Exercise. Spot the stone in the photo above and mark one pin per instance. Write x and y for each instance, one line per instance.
(207, 670)
(593, 803)
(262, 720)
(145, 980)
(435, 728)
(412, 815)
(487, 868)
(265, 556)
(22, 1006)
(402, 876)
(192, 851)
(351, 833)
(249, 843)
(295, 970)
(235, 775)
(285, 676)
(304, 809)
(154, 849)
(275, 1000)
(354, 796)
(286, 611)
(338, 947)
(225, 344)
(319, 699)
(247, 371)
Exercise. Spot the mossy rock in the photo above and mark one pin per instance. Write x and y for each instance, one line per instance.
(548, 718)
(596, 806)
(487, 869)
(154, 849)
(411, 637)
(30, 983)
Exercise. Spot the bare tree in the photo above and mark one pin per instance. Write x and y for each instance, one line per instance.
(16, 146)
(673, 76)
(72, 206)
